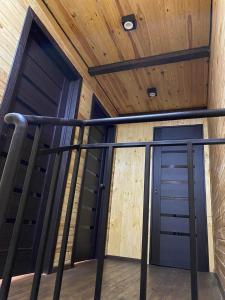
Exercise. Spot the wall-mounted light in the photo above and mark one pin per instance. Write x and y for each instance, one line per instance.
(129, 22)
(152, 92)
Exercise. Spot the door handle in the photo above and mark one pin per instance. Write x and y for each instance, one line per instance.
(102, 186)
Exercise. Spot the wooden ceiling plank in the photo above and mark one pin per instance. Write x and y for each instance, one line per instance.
(162, 27)
(95, 29)
(179, 85)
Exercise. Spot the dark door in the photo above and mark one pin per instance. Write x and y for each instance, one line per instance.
(86, 233)
(45, 86)
(170, 216)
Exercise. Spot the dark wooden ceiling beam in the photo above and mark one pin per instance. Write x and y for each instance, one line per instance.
(162, 59)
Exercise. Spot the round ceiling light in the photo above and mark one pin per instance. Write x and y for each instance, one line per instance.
(128, 25)
(129, 22)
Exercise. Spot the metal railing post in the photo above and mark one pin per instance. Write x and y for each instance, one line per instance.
(69, 210)
(10, 260)
(45, 229)
(144, 249)
(193, 255)
(12, 163)
(12, 160)
(103, 225)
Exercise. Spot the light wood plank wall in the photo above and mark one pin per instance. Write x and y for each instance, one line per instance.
(12, 16)
(217, 129)
(126, 203)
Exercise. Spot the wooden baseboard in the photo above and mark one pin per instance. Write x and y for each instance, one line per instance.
(220, 286)
(123, 258)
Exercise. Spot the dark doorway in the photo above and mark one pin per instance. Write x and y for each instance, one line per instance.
(43, 82)
(170, 215)
(89, 210)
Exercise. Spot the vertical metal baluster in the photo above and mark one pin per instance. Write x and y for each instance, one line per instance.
(193, 256)
(144, 249)
(45, 229)
(103, 225)
(8, 269)
(69, 210)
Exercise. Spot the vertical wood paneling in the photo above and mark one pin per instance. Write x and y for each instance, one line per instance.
(125, 220)
(217, 129)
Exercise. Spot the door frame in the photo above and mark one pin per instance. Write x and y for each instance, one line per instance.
(71, 111)
(110, 136)
(204, 192)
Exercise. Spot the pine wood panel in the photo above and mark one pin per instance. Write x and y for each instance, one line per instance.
(95, 29)
(162, 26)
(217, 129)
(180, 85)
(126, 203)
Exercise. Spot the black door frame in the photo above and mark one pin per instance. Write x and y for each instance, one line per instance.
(152, 192)
(71, 111)
(110, 135)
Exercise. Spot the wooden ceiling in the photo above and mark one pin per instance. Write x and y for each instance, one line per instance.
(163, 26)
(128, 89)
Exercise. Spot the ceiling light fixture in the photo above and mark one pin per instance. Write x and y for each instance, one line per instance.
(129, 22)
(152, 92)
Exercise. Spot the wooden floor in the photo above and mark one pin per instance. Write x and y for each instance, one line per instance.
(121, 281)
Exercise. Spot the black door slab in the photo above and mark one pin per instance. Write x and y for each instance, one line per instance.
(45, 85)
(170, 215)
(89, 210)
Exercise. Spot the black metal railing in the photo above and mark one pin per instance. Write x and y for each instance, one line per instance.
(21, 123)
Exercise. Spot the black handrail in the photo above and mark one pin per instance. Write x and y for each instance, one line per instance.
(190, 114)
(21, 123)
